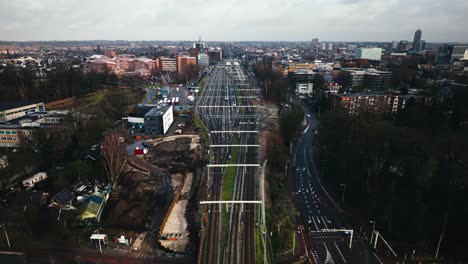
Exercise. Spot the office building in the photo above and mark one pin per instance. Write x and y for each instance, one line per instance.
(183, 61)
(368, 78)
(394, 45)
(203, 60)
(315, 42)
(403, 45)
(10, 111)
(444, 54)
(422, 45)
(374, 54)
(324, 46)
(304, 88)
(16, 132)
(166, 64)
(458, 53)
(158, 120)
(200, 46)
(465, 56)
(417, 40)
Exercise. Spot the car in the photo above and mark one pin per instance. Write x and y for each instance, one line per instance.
(308, 115)
(178, 131)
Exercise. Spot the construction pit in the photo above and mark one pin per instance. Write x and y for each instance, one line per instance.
(175, 234)
(178, 156)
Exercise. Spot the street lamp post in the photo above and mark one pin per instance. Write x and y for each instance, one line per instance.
(373, 230)
(343, 193)
(6, 235)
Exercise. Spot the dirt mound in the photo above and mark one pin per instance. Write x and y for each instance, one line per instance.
(177, 145)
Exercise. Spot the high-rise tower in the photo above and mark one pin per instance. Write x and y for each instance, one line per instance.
(417, 40)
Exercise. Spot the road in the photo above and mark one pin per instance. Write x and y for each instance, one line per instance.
(229, 230)
(319, 211)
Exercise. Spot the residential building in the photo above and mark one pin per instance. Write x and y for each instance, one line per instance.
(417, 40)
(357, 103)
(10, 111)
(110, 53)
(203, 60)
(374, 54)
(333, 87)
(158, 120)
(183, 61)
(304, 88)
(215, 55)
(166, 64)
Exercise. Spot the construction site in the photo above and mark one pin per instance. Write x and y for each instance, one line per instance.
(157, 195)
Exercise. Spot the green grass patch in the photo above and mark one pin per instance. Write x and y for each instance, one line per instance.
(199, 124)
(92, 99)
(228, 185)
(259, 246)
(230, 172)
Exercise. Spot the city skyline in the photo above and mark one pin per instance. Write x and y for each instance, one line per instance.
(260, 20)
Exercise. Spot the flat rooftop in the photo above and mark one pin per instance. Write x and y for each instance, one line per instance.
(158, 110)
(32, 118)
(11, 105)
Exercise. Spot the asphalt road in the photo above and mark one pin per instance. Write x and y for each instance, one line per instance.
(319, 211)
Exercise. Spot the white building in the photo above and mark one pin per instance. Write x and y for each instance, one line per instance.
(369, 54)
(304, 88)
(31, 181)
(203, 60)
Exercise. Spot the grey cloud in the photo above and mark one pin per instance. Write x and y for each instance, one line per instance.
(380, 20)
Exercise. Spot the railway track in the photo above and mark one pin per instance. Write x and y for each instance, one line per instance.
(237, 243)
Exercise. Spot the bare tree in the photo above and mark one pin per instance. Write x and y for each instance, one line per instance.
(113, 152)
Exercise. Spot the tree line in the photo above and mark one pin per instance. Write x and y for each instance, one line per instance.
(410, 175)
(30, 84)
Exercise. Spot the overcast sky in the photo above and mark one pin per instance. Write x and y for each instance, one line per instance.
(231, 20)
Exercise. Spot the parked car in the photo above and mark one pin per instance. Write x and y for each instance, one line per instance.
(178, 131)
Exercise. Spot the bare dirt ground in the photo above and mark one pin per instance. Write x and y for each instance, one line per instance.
(145, 194)
(268, 124)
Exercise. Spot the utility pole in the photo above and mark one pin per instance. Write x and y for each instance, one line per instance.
(6, 235)
(373, 230)
(343, 193)
(441, 236)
